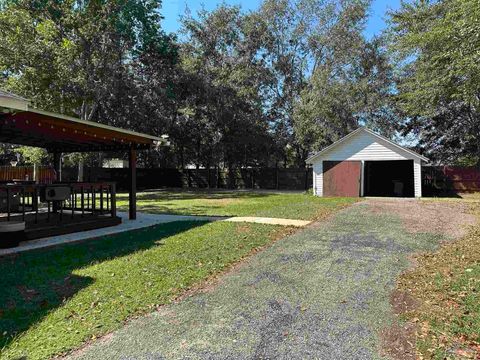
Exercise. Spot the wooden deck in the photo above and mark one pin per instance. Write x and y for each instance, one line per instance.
(61, 224)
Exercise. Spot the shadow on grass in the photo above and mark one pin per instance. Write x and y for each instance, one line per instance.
(37, 282)
(199, 202)
(447, 195)
(193, 210)
(181, 194)
(160, 201)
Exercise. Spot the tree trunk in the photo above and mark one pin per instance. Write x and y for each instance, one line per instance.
(80, 176)
(231, 176)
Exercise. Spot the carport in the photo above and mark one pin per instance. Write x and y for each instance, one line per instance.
(364, 163)
(71, 206)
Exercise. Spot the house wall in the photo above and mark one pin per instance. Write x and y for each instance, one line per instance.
(364, 147)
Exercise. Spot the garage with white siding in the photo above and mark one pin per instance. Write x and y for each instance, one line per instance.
(364, 163)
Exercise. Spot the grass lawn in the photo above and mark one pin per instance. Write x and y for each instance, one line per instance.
(446, 289)
(301, 206)
(52, 301)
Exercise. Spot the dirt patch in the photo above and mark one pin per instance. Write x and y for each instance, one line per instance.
(439, 217)
(452, 219)
(65, 289)
(402, 302)
(243, 229)
(398, 342)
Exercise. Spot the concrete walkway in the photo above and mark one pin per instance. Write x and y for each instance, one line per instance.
(143, 220)
(322, 293)
(269, 221)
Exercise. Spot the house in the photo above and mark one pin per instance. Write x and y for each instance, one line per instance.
(115, 164)
(364, 163)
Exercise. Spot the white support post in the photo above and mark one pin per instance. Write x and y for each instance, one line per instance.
(57, 165)
(319, 179)
(362, 179)
(417, 177)
(35, 173)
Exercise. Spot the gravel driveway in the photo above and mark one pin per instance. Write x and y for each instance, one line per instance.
(321, 293)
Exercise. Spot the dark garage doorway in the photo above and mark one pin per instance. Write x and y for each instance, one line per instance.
(389, 178)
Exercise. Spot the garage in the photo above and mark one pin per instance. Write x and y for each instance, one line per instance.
(364, 163)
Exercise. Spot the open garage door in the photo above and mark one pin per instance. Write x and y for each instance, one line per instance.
(342, 178)
(389, 178)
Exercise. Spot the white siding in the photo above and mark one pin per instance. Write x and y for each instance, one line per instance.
(364, 146)
(318, 178)
(417, 177)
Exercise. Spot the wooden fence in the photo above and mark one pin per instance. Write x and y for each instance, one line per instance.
(261, 178)
(437, 180)
(44, 175)
(444, 180)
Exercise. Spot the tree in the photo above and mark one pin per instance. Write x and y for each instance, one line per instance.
(105, 61)
(221, 114)
(326, 77)
(32, 155)
(239, 89)
(346, 92)
(285, 53)
(437, 48)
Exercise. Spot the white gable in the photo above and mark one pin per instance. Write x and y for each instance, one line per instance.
(364, 146)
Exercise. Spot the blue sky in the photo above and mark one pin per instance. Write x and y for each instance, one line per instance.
(172, 9)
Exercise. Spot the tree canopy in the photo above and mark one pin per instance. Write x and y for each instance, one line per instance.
(437, 48)
(258, 88)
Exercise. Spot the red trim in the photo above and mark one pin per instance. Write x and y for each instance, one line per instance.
(54, 130)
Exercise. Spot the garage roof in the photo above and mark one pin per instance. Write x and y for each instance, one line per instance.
(22, 124)
(358, 131)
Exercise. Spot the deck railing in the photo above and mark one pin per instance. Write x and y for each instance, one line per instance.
(84, 199)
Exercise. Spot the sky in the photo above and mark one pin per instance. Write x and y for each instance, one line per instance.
(172, 9)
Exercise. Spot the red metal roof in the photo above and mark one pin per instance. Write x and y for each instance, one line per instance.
(23, 125)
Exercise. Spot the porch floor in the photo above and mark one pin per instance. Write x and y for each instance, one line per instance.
(45, 225)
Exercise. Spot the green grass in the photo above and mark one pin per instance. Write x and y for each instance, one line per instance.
(300, 206)
(446, 289)
(468, 322)
(53, 301)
